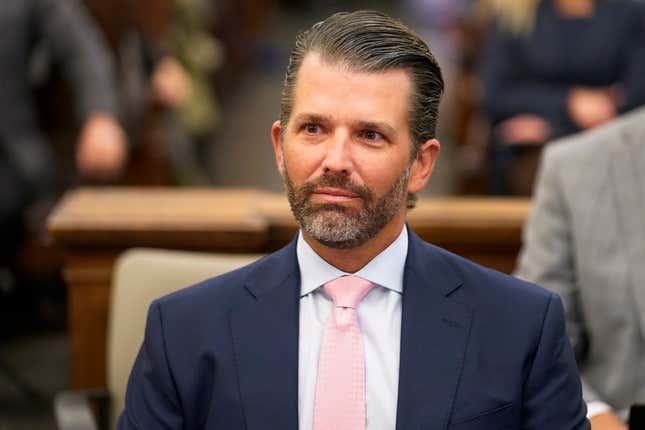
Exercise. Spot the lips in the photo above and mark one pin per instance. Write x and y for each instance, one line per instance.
(336, 192)
(334, 195)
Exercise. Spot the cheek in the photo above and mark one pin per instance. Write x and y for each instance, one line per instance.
(301, 163)
(380, 174)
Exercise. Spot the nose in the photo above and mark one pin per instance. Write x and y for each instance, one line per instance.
(338, 158)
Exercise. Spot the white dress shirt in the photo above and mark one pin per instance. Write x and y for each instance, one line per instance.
(379, 316)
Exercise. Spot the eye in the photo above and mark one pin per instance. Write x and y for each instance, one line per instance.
(371, 135)
(312, 128)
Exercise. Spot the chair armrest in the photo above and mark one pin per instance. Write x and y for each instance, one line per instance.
(74, 410)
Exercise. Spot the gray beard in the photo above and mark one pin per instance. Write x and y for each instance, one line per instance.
(339, 226)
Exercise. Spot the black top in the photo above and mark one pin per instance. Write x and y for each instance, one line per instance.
(533, 73)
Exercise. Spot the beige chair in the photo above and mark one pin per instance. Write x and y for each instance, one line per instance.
(140, 276)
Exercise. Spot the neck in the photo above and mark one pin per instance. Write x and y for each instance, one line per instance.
(575, 8)
(354, 259)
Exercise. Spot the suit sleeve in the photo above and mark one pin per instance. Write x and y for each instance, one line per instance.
(547, 255)
(552, 396)
(151, 400)
(78, 45)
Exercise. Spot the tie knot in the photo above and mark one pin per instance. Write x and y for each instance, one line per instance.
(348, 291)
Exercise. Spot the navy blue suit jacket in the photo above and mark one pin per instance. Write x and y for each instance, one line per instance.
(479, 350)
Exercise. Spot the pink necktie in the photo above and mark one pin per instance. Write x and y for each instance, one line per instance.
(340, 386)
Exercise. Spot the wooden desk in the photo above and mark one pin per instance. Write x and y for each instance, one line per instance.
(93, 226)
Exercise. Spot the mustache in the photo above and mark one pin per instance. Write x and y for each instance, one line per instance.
(339, 181)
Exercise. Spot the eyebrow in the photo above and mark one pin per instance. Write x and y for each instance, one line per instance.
(311, 117)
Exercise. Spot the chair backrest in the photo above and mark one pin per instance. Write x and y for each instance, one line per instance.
(140, 276)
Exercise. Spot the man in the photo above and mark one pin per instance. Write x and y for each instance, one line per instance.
(415, 338)
(27, 162)
(585, 240)
(75, 43)
(29, 172)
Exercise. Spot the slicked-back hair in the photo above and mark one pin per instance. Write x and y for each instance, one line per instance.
(370, 41)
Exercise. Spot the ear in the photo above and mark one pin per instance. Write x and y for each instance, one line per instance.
(423, 165)
(277, 147)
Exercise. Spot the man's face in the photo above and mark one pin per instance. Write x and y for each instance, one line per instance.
(345, 156)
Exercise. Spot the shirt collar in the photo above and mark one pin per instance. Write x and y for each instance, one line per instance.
(386, 269)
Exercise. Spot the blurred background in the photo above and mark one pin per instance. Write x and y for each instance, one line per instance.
(183, 92)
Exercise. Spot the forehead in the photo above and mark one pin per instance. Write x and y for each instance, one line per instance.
(340, 91)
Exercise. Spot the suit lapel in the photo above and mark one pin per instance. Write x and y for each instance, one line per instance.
(265, 338)
(628, 165)
(434, 333)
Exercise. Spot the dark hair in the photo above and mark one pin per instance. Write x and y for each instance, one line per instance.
(371, 41)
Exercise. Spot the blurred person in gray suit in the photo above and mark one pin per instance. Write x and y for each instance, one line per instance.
(27, 161)
(585, 239)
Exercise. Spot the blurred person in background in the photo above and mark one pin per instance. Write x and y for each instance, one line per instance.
(166, 56)
(182, 80)
(552, 68)
(585, 241)
(28, 162)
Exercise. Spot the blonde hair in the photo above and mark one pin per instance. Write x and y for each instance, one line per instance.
(515, 16)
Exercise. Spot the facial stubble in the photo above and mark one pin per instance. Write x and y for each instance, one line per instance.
(339, 226)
